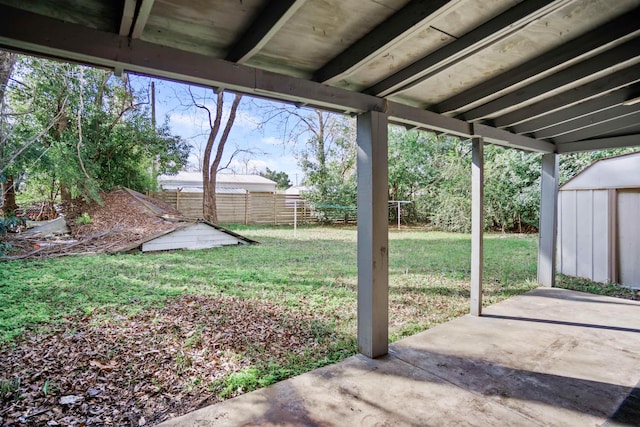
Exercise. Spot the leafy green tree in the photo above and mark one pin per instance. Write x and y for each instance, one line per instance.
(512, 189)
(415, 163)
(451, 209)
(434, 172)
(325, 146)
(329, 164)
(84, 130)
(281, 178)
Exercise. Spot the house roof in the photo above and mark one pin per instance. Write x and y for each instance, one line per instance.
(544, 75)
(621, 171)
(221, 179)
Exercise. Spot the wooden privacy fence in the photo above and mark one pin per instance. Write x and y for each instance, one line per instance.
(249, 208)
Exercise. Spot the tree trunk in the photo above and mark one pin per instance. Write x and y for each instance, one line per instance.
(7, 61)
(65, 193)
(210, 169)
(9, 206)
(211, 206)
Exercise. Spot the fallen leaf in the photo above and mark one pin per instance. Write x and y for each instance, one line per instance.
(93, 391)
(71, 400)
(108, 367)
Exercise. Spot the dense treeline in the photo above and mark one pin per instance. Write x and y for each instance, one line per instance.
(70, 131)
(434, 173)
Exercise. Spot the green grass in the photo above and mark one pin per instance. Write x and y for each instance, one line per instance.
(585, 285)
(316, 270)
(429, 284)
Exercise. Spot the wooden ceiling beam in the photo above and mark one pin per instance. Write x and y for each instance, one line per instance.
(600, 144)
(616, 29)
(141, 18)
(585, 108)
(604, 61)
(74, 42)
(602, 128)
(393, 28)
(128, 14)
(593, 89)
(267, 23)
(485, 35)
(587, 121)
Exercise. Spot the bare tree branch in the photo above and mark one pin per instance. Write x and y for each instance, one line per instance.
(252, 152)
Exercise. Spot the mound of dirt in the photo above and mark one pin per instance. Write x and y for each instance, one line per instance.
(124, 218)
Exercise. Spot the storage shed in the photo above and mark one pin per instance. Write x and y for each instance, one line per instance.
(599, 222)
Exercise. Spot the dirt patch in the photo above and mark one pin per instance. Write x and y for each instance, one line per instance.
(120, 214)
(141, 370)
(123, 218)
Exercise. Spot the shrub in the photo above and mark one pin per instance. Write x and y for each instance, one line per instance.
(83, 219)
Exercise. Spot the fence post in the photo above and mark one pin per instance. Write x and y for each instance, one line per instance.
(275, 209)
(177, 199)
(246, 208)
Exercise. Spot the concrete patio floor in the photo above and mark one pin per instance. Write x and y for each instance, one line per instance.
(549, 357)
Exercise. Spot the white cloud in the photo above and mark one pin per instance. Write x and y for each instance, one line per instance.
(244, 119)
(180, 119)
(272, 140)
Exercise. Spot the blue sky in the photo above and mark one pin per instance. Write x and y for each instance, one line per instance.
(264, 146)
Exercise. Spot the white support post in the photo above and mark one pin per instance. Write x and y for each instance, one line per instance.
(373, 267)
(477, 224)
(548, 220)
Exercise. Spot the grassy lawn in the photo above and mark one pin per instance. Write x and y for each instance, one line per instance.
(429, 274)
(297, 295)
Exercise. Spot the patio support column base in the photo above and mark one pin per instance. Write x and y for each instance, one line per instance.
(548, 220)
(373, 265)
(477, 224)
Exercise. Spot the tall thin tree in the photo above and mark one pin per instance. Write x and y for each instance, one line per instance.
(211, 166)
(7, 61)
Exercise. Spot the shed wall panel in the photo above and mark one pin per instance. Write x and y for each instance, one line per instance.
(600, 236)
(568, 237)
(583, 230)
(559, 242)
(584, 233)
(629, 237)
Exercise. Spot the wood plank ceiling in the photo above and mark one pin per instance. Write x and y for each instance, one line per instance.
(548, 75)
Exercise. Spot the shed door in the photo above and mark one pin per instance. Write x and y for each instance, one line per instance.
(629, 237)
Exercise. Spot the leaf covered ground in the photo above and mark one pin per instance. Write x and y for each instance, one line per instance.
(143, 369)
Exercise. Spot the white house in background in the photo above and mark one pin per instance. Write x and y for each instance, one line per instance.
(296, 190)
(599, 222)
(225, 183)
